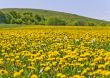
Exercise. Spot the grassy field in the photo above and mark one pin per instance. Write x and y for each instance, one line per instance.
(54, 52)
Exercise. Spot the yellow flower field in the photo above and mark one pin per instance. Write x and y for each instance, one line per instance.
(55, 52)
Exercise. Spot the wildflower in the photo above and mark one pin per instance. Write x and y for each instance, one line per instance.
(47, 68)
(34, 76)
(63, 76)
(76, 40)
(31, 67)
(16, 74)
(59, 74)
(41, 70)
(1, 61)
(93, 40)
(65, 38)
(3, 72)
(54, 63)
(21, 70)
(77, 76)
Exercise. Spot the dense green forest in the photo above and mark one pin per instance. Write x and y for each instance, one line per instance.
(46, 17)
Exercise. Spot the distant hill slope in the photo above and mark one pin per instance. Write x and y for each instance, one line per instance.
(69, 18)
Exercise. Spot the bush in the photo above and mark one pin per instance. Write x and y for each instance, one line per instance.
(80, 23)
(102, 24)
(55, 21)
(91, 24)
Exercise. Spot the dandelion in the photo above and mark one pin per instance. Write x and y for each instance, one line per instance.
(1, 61)
(41, 71)
(34, 76)
(76, 40)
(65, 38)
(47, 68)
(3, 72)
(63, 76)
(93, 40)
(31, 67)
(59, 74)
(16, 74)
(19, 73)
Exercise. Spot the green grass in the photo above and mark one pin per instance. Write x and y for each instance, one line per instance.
(9, 25)
(18, 27)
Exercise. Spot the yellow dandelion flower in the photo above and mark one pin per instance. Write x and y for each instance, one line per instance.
(59, 74)
(47, 68)
(3, 72)
(1, 61)
(34, 76)
(16, 74)
(63, 76)
(31, 67)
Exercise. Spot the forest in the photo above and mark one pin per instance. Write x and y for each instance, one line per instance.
(31, 18)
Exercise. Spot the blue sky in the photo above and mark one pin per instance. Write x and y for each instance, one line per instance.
(99, 9)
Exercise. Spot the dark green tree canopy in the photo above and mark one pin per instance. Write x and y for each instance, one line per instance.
(55, 21)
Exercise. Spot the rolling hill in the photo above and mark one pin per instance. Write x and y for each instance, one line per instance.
(70, 19)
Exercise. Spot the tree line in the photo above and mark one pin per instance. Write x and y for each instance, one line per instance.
(29, 18)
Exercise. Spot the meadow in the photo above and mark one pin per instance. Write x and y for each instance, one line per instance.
(54, 52)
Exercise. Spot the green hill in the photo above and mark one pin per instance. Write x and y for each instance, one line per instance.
(45, 17)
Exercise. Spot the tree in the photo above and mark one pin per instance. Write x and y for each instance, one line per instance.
(15, 14)
(18, 21)
(8, 17)
(42, 21)
(80, 23)
(2, 17)
(38, 18)
(102, 24)
(91, 24)
(55, 21)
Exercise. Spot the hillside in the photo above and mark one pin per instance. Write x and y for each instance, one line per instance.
(65, 18)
